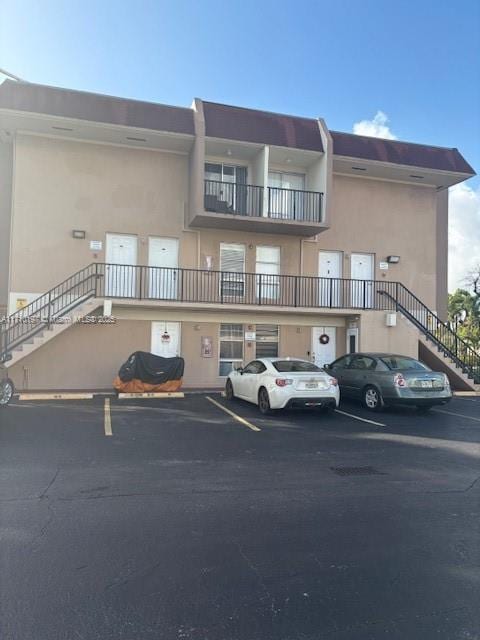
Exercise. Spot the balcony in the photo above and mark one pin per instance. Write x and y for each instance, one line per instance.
(293, 204)
(213, 288)
(233, 198)
(245, 207)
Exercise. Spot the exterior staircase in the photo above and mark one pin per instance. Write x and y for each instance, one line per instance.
(450, 352)
(83, 292)
(48, 315)
(48, 333)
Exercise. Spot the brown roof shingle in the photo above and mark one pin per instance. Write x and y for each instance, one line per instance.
(35, 98)
(396, 152)
(250, 125)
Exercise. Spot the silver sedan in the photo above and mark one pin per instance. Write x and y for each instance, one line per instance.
(379, 379)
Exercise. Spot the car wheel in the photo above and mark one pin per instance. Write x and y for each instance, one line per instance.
(6, 392)
(263, 401)
(372, 399)
(229, 394)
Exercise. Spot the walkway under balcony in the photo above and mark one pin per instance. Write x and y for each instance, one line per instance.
(231, 205)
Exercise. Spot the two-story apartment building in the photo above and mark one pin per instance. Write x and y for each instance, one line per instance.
(215, 232)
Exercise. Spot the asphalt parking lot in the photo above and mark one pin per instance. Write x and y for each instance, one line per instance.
(172, 519)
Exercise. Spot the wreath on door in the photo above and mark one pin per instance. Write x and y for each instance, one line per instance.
(324, 339)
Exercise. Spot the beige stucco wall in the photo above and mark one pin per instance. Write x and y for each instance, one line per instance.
(62, 185)
(6, 164)
(383, 218)
(442, 254)
(375, 336)
(89, 356)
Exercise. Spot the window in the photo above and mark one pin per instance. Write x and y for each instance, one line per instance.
(255, 367)
(342, 363)
(226, 184)
(364, 363)
(293, 366)
(403, 363)
(268, 269)
(266, 345)
(232, 265)
(231, 348)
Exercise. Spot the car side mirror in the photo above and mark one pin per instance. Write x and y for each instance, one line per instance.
(240, 370)
(327, 367)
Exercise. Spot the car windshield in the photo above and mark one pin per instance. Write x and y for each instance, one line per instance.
(292, 366)
(397, 363)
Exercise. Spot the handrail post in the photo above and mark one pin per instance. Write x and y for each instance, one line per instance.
(140, 284)
(296, 291)
(96, 279)
(259, 288)
(49, 316)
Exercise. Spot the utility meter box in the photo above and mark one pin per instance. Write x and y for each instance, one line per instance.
(391, 319)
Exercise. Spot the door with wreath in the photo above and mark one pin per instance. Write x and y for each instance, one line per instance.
(324, 348)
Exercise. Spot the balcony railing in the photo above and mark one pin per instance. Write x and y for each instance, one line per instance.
(293, 204)
(234, 198)
(247, 200)
(225, 287)
(102, 280)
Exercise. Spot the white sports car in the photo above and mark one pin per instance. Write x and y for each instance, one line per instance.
(279, 383)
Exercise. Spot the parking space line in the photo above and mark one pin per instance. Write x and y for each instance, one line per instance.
(460, 415)
(246, 423)
(107, 417)
(351, 415)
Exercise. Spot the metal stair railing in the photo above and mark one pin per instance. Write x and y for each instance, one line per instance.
(435, 330)
(48, 309)
(238, 288)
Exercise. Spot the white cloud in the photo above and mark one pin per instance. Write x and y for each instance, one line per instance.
(377, 127)
(463, 234)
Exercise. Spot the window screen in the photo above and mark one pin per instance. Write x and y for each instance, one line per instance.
(231, 348)
(266, 341)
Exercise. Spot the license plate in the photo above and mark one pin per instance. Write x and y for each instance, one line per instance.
(426, 384)
(311, 385)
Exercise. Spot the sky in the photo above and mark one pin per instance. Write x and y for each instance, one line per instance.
(405, 69)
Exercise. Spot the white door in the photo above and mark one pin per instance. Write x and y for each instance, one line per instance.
(324, 345)
(362, 271)
(120, 272)
(352, 340)
(330, 272)
(166, 339)
(163, 268)
(267, 268)
(232, 266)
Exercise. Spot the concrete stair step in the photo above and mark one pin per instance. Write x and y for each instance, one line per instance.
(49, 333)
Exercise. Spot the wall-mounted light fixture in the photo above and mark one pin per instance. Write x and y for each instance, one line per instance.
(393, 259)
(78, 234)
